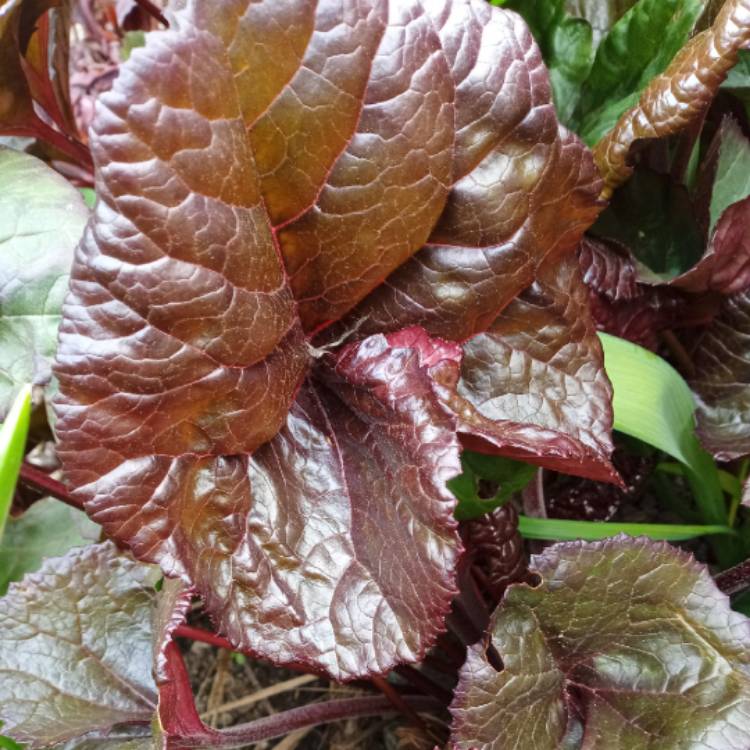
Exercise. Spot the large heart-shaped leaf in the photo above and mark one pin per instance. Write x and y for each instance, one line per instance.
(261, 170)
(624, 644)
(42, 217)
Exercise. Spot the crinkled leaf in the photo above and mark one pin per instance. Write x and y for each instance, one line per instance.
(239, 213)
(608, 268)
(287, 545)
(624, 644)
(524, 190)
(681, 93)
(47, 529)
(722, 381)
(533, 385)
(42, 217)
(639, 46)
(75, 647)
(622, 304)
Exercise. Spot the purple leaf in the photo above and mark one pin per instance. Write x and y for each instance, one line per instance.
(533, 385)
(260, 171)
(721, 381)
(624, 643)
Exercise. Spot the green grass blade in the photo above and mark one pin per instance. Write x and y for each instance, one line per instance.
(12, 444)
(654, 404)
(564, 530)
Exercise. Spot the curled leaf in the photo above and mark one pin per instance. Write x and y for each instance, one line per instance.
(680, 94)
(624, 643)
(533, 385)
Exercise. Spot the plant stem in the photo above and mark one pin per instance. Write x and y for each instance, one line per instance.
(398, 703)
(735, 579)
(37, 479)
(204, 636)
(294, 719)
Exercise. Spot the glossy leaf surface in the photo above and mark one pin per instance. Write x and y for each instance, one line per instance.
(533, 385)
(524, 190)
(42, 217)
(677, 96)
(722, 381)
(299, 530)
(204, 419)
(76, 647)
(639, 46)
(611, 651)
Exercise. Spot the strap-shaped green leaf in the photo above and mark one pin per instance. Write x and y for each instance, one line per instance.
(12, 443)
(565, 530)
(654, 404)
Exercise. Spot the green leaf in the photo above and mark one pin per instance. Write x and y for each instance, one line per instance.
(130, 41)
(637, 48)
(511, 476)
(737, 82)
(563, 530)
(566, 45)
(89, 196)
(12, 447)
(47, 529)
(654, 404)
(732, 181)
(654, 218)
(41, 220)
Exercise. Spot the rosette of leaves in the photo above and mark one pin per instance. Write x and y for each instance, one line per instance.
(307, 215)
(625, 643)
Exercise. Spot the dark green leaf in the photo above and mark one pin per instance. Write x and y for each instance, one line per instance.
(566, 45)
(654, 218)
(637, 48)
